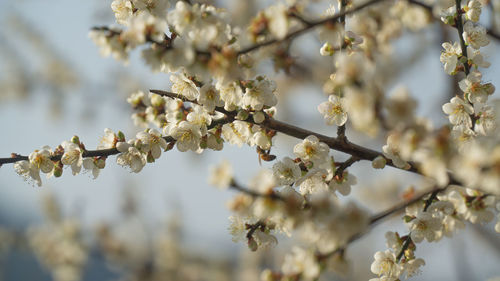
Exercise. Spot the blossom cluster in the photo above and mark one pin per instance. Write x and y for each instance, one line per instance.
(297, 196)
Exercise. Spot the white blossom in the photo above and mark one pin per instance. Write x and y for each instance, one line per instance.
(72, 156)
(392, 151)
(231, 94)
(93, 165)
(187, 135)
(184, 86)
(209, 97)
(459, 112)
(133, 159)
(449, 57)
(259, 94)
(476, 58)
(301, 262)
(278, 20)
(40, 159)
(425, 226)
(152, 141)
(123, 10)
(311, 149)
(475, 35)
(385, 264)
(473, 10)
(286, 171)
(333, 111)
(237, 132)
(221, 175)
(28, 171)
(476, 92)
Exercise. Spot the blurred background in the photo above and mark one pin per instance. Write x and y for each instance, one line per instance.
(167, 221)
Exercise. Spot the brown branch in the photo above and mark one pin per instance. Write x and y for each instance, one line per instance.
(236, 186)
(401, 206)
(380, 216)
(344, 165)
(95, 153)
(429, 8)
(311, 25)
(345, 146)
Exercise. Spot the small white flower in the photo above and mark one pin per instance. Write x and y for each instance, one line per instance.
(259, 94)
(400, 107)
(301, 262)
(412, 267)
(286, 171)
(184, 86)
(393, 241)
(109, 140)
(221, 175)
(343, 184)
(486, 124)
(449, 57)
(94, 165)
(110, 45)
(142, 27)
(277, 20)
(476, 58)
(459, 112)
(72, 156)
(237, 132)
(260, 139)
(425, 226)
(28, 171)
(123, 10)
(237, 228)
(200, 117)
(133, 159)
(475, 91)
(473, 10)
(385, 264)
(231, 94)
(41, 159)
(313, 182)
(209, 97)
(392, 151)
(333, 110)
(188, 136)
(311, 149)
(152, 141)
(475, 35)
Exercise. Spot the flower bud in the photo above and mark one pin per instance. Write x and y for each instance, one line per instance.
(259, 117)
(379, 162)
(242, 115)
(122, 146)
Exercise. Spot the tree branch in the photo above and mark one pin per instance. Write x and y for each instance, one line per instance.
(311, 25)
(429, 8)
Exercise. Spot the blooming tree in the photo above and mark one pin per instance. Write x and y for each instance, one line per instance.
(220, 96)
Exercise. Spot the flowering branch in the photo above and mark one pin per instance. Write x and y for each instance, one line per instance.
(429, 8)
(460, 29)
(380, 216)
(355, 150)
(236, 186)
(309, 26)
